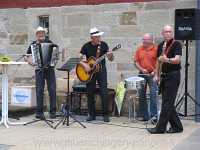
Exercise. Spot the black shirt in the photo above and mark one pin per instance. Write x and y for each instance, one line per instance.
(89, 50)
(176, 49)
(29, 48)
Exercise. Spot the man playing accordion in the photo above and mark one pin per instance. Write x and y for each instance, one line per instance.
(42, 51)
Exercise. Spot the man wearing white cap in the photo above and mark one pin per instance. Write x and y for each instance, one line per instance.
(96, 48)
(42, 74)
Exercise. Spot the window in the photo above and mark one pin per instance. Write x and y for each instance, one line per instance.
(44, 22)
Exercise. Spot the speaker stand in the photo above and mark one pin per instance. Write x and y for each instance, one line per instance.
(186, 94)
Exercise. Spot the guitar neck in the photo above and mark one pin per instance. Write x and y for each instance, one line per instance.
(100, 58)
(103, 56)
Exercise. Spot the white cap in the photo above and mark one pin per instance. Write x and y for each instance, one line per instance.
(40, 29)
(95, 32)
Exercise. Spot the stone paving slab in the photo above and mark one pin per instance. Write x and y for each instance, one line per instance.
(192, 142)
(119, 134)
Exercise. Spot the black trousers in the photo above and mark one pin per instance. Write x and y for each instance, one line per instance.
(47, 74)
(101, 78)
(170, 84)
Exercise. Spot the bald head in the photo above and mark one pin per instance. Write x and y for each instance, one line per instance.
(167, 32)
(167, 28)
(148, 36)
(147, 40)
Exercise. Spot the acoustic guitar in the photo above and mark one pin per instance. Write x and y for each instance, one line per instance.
(94, 64)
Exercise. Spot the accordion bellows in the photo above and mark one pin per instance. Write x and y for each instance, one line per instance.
(45, 54)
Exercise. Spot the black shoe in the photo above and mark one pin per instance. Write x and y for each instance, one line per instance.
(171, 130)
(90, 118)
(106, 119)
(142, 119)
(52, 115)
(40, 116)
(155, 131)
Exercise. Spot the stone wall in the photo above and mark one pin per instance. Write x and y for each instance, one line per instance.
(122, 23)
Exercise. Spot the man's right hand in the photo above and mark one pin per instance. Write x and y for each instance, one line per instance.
(145, 71)
(29, 59)
(156, 78)
(86, 66)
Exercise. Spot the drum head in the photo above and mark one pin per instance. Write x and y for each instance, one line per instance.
(134, 78)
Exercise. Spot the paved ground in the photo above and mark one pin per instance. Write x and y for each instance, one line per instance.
(192, 142)
(120, 134)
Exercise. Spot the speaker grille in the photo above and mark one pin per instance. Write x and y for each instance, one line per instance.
(187, 24)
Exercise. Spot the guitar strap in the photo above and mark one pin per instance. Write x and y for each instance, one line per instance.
(98, 53)
(166, 51)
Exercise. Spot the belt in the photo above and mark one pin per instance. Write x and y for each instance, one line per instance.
(167, 74)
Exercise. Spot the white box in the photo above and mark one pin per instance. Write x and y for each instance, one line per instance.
(23, 96)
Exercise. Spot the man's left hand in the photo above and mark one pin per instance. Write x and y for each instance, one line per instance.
(110, 56)
(152, 73)
(163, 58)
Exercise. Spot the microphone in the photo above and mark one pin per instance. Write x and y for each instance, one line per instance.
(22, 56)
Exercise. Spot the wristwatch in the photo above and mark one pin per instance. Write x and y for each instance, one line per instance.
(169, 60)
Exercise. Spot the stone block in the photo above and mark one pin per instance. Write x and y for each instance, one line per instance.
(73, 52)
(111, 66)
(19, 38)
(136, 6)
(14, 28)
(175, 4)
(126, 31)
(113, 78)
(16, 50)
(110, 7)
(78, 20)
(35, 12)
(86, 31)
(72, 32)
(64, 43)
(64, 21)
(77, 43)
(105, 19)
(127, 43)
(153, 21)
(3, 35)
(124, 56)
(77, 9)
(125, 66)
(128, 18)
(158, 5)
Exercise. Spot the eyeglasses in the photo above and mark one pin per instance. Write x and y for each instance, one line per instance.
(167, 31)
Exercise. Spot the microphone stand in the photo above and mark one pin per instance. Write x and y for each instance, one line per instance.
(66, 114)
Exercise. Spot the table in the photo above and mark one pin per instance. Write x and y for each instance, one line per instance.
(4, 76)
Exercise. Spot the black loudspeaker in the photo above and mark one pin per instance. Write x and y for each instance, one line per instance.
(187, 24)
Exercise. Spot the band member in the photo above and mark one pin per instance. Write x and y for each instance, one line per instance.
(169, 59)
(96, 48)
(145, 60)
(41, 74)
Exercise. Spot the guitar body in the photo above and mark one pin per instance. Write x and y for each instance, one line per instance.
(82, 74)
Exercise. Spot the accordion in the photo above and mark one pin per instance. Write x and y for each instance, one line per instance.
(45, 55)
